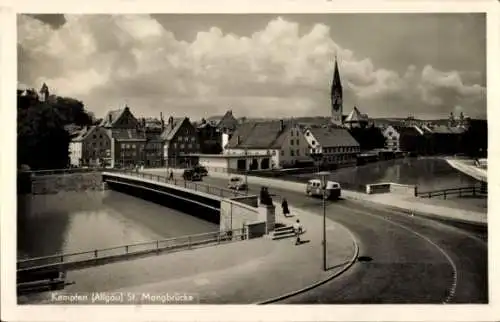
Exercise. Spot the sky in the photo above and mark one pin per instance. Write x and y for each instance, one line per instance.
(199, 65)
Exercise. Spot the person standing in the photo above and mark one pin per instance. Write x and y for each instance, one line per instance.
(284, 206)
(297, 227)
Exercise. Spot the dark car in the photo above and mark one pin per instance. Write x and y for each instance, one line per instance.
(190, 175)
(201, 170)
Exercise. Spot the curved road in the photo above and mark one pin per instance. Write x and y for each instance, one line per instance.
(406, 259)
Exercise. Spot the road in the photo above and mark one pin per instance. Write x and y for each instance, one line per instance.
(403, 259)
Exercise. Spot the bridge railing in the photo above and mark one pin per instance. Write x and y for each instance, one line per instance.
(170, 244)
(463, 191)
(196, 186)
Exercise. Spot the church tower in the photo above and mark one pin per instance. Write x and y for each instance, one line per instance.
(44, 93)
(336, 96)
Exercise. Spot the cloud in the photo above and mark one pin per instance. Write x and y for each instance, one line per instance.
(108, 60)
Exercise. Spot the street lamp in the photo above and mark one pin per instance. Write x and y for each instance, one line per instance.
(246, 170)
(324, 176)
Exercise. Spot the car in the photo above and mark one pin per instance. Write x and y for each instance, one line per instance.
(314, 189)
(201, 170)
(190, 175)
(237, 183)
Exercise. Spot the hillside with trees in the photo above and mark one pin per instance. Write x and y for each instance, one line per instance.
(42, 141)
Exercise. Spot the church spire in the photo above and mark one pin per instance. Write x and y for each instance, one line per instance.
(44, 93)
(336, 95)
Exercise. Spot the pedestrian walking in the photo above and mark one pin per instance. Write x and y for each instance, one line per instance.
(284, 206)
(297, 227)
(171, 175)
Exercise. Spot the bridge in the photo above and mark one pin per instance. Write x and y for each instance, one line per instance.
(212, 203)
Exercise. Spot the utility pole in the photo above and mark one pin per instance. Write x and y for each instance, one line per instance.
(246, 170)
(323, 187)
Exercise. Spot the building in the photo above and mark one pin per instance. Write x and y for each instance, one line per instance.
(410, 139)
(127, 138)
(210, 138)
(268, 145)
(444, 139)
(336, 96)
(391, 138)
(332, 146)
(180, 143)
(153, 150)
(356, 119)
(91, 147)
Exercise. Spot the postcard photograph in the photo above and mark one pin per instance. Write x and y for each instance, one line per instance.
(270, 158)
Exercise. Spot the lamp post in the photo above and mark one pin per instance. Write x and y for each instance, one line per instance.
(246, 171)
(324, 176)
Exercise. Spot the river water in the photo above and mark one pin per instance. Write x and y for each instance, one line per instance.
(81, 221)
(427, 173)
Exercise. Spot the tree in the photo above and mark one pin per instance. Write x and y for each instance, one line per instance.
(42, 142)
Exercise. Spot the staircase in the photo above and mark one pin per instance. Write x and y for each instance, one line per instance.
(283, 232)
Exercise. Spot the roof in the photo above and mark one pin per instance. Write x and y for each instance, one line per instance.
(228, 121)
(356, 116)
(172, 128)
(113, 115)
(442, 129)
(406, 130)
(333, 137)
(126, 134)
(259, 135)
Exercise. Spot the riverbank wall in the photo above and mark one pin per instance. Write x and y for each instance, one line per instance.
(52, 184)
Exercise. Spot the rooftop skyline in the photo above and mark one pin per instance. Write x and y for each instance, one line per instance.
(391, 65)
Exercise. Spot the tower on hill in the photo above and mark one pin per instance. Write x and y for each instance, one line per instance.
(336, 96)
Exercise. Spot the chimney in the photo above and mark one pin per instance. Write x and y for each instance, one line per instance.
(170, 120)
(282, 125)
(110, 119)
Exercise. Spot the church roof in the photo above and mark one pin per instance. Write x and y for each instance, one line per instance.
(356, 116)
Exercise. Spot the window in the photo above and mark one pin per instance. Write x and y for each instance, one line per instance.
(313, 142)
(133, 146)
(297, 142)
(197, 145)
(175, 145)
(274, 152)
(180, 139)
(291, 133)
(282, 152)
(182, 146)
(190, 146)
(291, 152)
(307, 133)
(291, 142)
(298, 152)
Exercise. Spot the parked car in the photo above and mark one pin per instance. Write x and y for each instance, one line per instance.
(314, 189)
(190, 175)
(201, 170)
(237, 183)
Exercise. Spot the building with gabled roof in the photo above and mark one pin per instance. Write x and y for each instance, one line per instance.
(180, 143)
(330, 145)
(356, 119)
(122, 118)
(281, 141)
(90, 146)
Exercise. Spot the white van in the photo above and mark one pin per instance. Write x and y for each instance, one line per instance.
(313, 189)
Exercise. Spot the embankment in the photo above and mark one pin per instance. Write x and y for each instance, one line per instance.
(51, 184)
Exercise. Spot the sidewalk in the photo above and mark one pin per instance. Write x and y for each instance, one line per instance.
(467, 167)
(442, 209)
(245, 272)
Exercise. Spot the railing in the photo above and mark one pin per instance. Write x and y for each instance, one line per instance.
(66, 171)
(171, 244)
(453, 191)
(196, 186)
